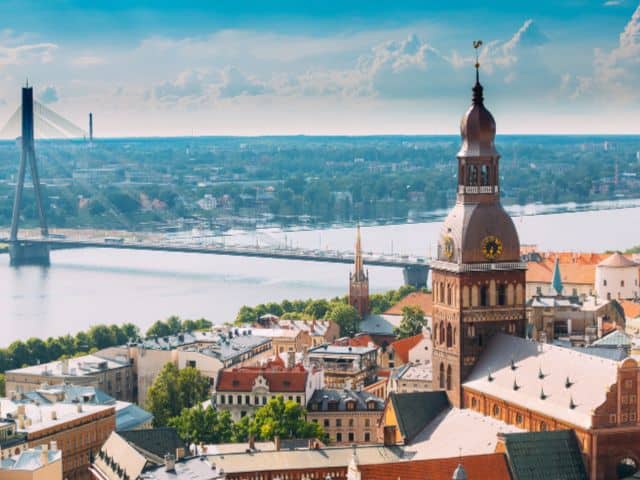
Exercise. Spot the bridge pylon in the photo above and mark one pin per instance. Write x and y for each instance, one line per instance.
(23, 252)
(416, 275)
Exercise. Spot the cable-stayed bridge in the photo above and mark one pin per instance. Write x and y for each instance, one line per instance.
(34, 249)
(47, 124)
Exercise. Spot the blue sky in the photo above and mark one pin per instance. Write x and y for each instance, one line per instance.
(223, 67)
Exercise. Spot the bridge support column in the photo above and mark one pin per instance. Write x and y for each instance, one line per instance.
(416, 275)
(29, 253)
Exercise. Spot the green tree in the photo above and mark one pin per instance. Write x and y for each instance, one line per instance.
(246, 315)
(174, 390)
(158, 329)
(411, 323)
(19, 354)
(101, 337)
(38, 350)
(2, 385)
(207, 425)
(346, 317)
(284, 418)
(317, 308)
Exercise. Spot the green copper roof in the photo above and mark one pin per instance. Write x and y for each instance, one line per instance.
(545, 455)
(416, 410)
(556, 280)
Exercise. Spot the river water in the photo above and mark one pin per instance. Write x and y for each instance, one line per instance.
(84, 287)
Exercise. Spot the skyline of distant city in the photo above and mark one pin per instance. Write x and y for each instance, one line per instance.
(282, 68)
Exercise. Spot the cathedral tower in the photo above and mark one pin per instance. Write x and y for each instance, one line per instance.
(359, 282)
(478, 278)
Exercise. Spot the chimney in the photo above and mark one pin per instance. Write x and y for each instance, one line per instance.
(54, 415)
(276, 441)
(252, 441)
(21, 421)
(44, 455)
(599, 327)
(53, 446)
(21, 410)
(64, 366)
(291, 359)
(169, 463)
(179, 453)
(79, 407)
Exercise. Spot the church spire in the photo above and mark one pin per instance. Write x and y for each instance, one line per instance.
(556, 279)
(359, 264)
(477, 88)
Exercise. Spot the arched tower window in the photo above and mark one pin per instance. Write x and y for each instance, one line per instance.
(484, 296)
(502, 294)
(449, 296)
(441, 292)
(449, 377)
(473, 175)
(449, 335)
(442, 375)
(484, 175)
(442, 332)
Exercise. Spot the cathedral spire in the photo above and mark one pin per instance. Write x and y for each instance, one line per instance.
(556, 281)
(477, 88)
(359, 265)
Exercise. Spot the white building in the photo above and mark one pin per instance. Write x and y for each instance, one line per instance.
(617, 278)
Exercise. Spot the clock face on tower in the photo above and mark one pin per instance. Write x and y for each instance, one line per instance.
(491, 247)
(447, 247)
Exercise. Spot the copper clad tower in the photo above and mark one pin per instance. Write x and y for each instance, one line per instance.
(478, 277)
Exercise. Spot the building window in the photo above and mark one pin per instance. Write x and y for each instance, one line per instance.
(449, 296)
(367, 422)
(338, 422)
(449, 377)
(442, 379)
(496, 411)
(484, 296)
(622, 283)
(502, 294)
(538, 291)
(191, 363)
(612, 418)
(367, 437)
(543, 427)
(351, 437)
(326, 423)
(604, 282)
(230, 399)
(351, 405)
(474, 402)
(243, 414)
(519, 419)
(338, 437)
(264, 400)
(449, 336)
(221, 399)
(247, 400)
(239, 399)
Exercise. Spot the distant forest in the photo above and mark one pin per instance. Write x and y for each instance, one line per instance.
(221, 182)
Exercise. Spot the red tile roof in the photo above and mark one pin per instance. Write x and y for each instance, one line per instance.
(572, 273)
(631, 309)
(279, 379)
(415, 299)
(490, 466)
(402, 347)
(360, 340)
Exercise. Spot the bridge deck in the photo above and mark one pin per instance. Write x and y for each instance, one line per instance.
(284, 254)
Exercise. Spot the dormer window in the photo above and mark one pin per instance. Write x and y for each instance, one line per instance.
(351, 405)
(371, 405)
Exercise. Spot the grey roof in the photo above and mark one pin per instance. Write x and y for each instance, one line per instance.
(195, 468)
(323, 397)
(414, 411)
(29, 459)
(552, 302)
(380, 324)
(131, 416)
(614, 339)
(229, 348)
(154, 443)
(615, 354)
(340, 350)
(545, 455)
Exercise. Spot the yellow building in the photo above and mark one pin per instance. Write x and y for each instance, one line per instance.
(40, 463)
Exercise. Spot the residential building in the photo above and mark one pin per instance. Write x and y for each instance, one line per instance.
(348, 417)
(77, 430)
(578, 275)
(12, 442)
(115, 376)
(39, 463)
(411, 377)
(129, 416)
(359, 281)
(243, 390)
(209, 352)
(282, 339)
(345, 367)
(415, 349)
(422, 300)
(617, 278)
(320, 331)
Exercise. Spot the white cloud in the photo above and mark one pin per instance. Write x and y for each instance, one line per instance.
(49, 95)
(88, 61)
(616, 73)
(235, 83)
(27, 53)
(612, 3)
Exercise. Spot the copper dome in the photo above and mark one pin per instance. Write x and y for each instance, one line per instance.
(477, 128)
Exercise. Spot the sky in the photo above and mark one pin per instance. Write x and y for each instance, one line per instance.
(337, 67)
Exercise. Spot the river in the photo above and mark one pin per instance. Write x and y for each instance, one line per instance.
(84, 287)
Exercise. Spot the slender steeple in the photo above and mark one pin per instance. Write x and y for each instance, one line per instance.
(359, 281)
(359, 265)
(556, 279)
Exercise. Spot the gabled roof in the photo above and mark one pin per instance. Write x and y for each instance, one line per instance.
(590, 378)
(322, 398)
(154, 443)
(415, 299)
(631, 309)
(491, 466)
(545, 455)
(570, 273)
(278, 379)
(403, 346)
(617, 338)
(414, 411)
